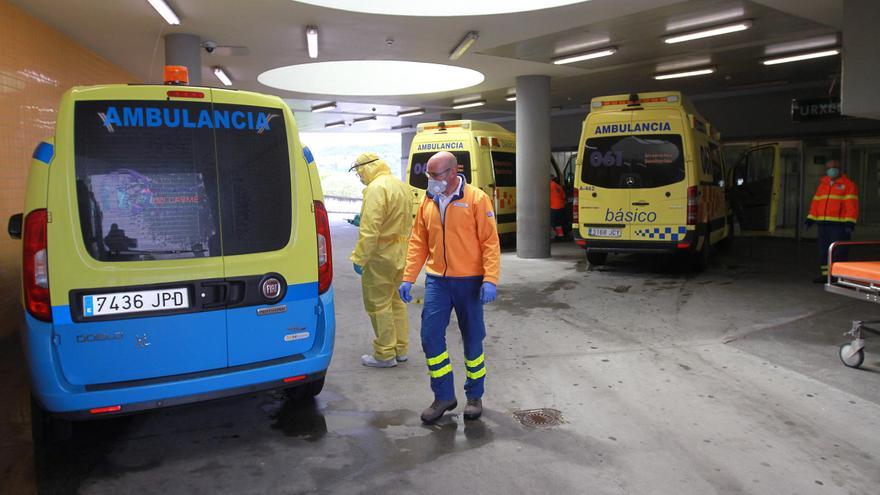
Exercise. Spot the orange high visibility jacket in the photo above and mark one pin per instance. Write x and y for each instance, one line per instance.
(835, 202)
(557, 196)
(465, 245)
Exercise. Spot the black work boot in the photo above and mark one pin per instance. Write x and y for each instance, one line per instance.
(437, 408)
(473, 409)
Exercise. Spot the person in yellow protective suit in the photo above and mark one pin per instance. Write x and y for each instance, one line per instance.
(380, 257)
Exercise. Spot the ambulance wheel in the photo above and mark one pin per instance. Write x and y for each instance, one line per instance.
(597, 259)
(853, 361)
(307, 391)
(47, 429)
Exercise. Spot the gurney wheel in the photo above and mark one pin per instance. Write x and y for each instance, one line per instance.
(853, 361)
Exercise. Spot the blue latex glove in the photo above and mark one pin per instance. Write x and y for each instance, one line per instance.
(358, 269)
(488, 292)
(403, 290)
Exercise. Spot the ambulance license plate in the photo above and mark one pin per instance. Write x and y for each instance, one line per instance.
(593, 232)
(135, 302)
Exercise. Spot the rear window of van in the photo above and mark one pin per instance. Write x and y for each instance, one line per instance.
(419, 166)
(169, 179)
(643, 161)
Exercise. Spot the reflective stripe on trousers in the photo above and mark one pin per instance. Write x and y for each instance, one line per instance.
(442, 296)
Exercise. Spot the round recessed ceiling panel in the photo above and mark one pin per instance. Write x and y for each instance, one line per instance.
(370, 78)
(448, 8)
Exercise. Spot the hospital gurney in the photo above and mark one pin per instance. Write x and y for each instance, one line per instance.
(859, 280)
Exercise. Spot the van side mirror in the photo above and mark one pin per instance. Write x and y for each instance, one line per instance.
(14, 227)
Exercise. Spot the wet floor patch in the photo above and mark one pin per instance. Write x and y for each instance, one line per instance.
(539, 418)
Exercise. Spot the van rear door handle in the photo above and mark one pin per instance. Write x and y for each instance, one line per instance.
(641, 203)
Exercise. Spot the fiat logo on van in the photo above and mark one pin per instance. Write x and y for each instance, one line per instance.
(271, 288)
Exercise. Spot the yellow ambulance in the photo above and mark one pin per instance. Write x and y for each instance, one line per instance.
(486, 155)
(176, 249)
(649, 179)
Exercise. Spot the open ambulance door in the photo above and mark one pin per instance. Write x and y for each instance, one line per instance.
(754, 189)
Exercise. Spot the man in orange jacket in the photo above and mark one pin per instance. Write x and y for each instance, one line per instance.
(835, 208)
(455, 231)
(557, 207)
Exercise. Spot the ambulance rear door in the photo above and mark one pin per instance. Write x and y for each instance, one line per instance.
(134, 248)
(503, 162)
(754, 189)
(604, 196)
(269, 234)
(655, 162)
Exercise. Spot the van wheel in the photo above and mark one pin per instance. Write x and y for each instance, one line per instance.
(306, 391)
(597, 259)
(47, 429)
(700, 259)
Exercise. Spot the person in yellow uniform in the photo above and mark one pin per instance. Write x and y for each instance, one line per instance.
(380, 256)
(455, 232)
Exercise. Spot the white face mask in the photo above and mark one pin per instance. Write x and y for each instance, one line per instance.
(436, 187)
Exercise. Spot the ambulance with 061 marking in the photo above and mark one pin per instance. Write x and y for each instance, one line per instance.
(650, 178)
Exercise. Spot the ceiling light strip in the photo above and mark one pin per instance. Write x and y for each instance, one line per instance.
(802, 56)
(463, 45)
(706, 33)
(690, 73)
(364, 119)
(411, 113)
(568, 59)
(325, 107)
(331, 125)
(222, 76)
(312, 41)
(510, 97)
(165, 11)
(468, 104)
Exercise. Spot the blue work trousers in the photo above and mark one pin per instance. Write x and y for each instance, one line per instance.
(442, 295)
(831, 232)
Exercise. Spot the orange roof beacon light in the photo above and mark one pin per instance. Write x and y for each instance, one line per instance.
(177, 75)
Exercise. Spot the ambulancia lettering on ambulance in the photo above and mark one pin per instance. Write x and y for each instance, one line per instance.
(177, 117)
(440, 146)
(632, 127)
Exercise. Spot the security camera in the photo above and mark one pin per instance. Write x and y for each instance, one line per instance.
(209, 46)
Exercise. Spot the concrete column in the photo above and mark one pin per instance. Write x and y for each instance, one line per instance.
(861, 64)
(406, 139)
(185, 49)
(533, 166)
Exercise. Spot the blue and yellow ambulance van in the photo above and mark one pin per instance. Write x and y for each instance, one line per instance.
(486, 154)
(175, 249)
(650, 179)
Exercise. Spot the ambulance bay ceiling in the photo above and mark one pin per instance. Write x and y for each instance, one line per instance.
(447, 8)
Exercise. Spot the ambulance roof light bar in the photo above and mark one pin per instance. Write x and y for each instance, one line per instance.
(635, 100)
(165, 11)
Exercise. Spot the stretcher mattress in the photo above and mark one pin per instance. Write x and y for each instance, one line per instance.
(868, 271)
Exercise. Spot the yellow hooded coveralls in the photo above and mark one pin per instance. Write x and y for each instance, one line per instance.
(386, 221)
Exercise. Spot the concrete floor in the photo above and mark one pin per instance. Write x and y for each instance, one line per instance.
(668, 382)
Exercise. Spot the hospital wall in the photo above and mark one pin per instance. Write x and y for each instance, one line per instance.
(37, 64)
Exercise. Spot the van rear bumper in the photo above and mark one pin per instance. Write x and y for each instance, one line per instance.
(63, 399)
(685, 245)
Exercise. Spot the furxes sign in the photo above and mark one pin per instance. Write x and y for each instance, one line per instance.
(807, 109)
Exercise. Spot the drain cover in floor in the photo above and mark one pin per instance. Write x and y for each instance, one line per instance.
(539, 418)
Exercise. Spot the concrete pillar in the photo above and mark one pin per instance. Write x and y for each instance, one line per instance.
(406, 139)
(185, 49)
(533, 166)
(861, 63)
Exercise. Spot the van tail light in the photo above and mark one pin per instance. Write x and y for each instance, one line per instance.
(575, 215)
(35, 266)
(325, 251)
(693, 206)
